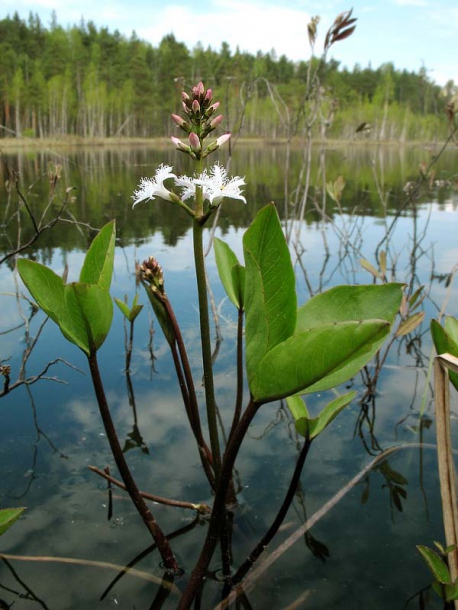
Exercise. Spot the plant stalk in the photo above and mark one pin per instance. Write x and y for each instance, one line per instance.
(131, 487)
(206, 346)
(239, 393)
(273, 529)
(219, 507)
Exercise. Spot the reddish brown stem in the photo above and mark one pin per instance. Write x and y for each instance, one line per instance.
(131, 487)
(201, 508)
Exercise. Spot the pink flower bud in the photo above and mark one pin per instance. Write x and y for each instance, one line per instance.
(178, 120)
(214, 107)
(208, 95)
(194, 142)
(195, 107)
(215, 145)
(185, 108)
(223, 139)
(216, 121)
(184, 96)
(200, 88)
(179, 145)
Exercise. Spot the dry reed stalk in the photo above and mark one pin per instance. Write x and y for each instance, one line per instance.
(442, 364)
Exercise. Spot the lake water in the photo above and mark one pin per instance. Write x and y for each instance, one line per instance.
(361, 553)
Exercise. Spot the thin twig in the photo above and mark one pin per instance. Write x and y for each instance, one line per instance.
(89, 563)
(201, 508)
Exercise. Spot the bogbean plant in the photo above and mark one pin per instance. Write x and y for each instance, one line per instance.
(283, 351)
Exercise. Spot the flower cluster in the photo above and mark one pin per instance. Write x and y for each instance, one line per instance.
(215, 186)
(150, 272)
(199, 121)
(210, 186)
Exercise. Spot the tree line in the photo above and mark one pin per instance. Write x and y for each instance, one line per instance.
(89, 82)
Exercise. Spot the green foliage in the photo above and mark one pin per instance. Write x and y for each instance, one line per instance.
(313, 348)
(161, 313)
(270, 295)
(8, 516)
(91, 82)
(442, 585)
(311, 427)
(130, 313)
(231, 273)
(83, 310)
(350, 311)
(445, 340)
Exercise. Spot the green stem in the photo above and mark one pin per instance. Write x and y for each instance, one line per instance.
(131, 487)
(199, 260)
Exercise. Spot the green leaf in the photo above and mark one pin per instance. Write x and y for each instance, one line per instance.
(435, 563)
(438, 588)
(45, 286)
(441, 548)
(98, 263)
(445, 341)
(344, 303)
(226, 262)
(238, 273)
(270, 295)
(161, 315)
(129, 313)
(451, 327)
(134, 311)
(300, 413)
(451, 592)
(350, 303)
(330, 412)
(321, 358)
(87, 315)
(83, 310)
(8, 516)
(123, 306)
(312, 427)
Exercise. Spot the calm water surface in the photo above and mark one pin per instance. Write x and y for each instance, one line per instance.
(361, 554)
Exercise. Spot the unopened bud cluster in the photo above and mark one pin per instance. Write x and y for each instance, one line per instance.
(199, 121)
(150, 272)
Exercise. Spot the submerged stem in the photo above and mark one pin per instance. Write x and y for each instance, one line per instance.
(273, 529)
(219, 506)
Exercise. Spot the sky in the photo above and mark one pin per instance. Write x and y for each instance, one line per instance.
(409, 33)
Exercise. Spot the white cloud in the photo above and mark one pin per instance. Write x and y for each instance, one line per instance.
(411, 2)
(247, 25)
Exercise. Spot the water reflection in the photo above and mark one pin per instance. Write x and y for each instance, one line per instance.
(374, 529)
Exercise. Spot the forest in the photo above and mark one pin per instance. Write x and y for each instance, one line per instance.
(86, 82)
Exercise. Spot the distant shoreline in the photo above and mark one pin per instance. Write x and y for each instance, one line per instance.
(13, 144)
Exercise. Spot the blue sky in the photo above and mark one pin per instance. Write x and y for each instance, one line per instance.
(409, 33)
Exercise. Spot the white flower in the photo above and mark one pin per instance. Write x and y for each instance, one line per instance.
(217, 186)
(154, 187)
(188, 186)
